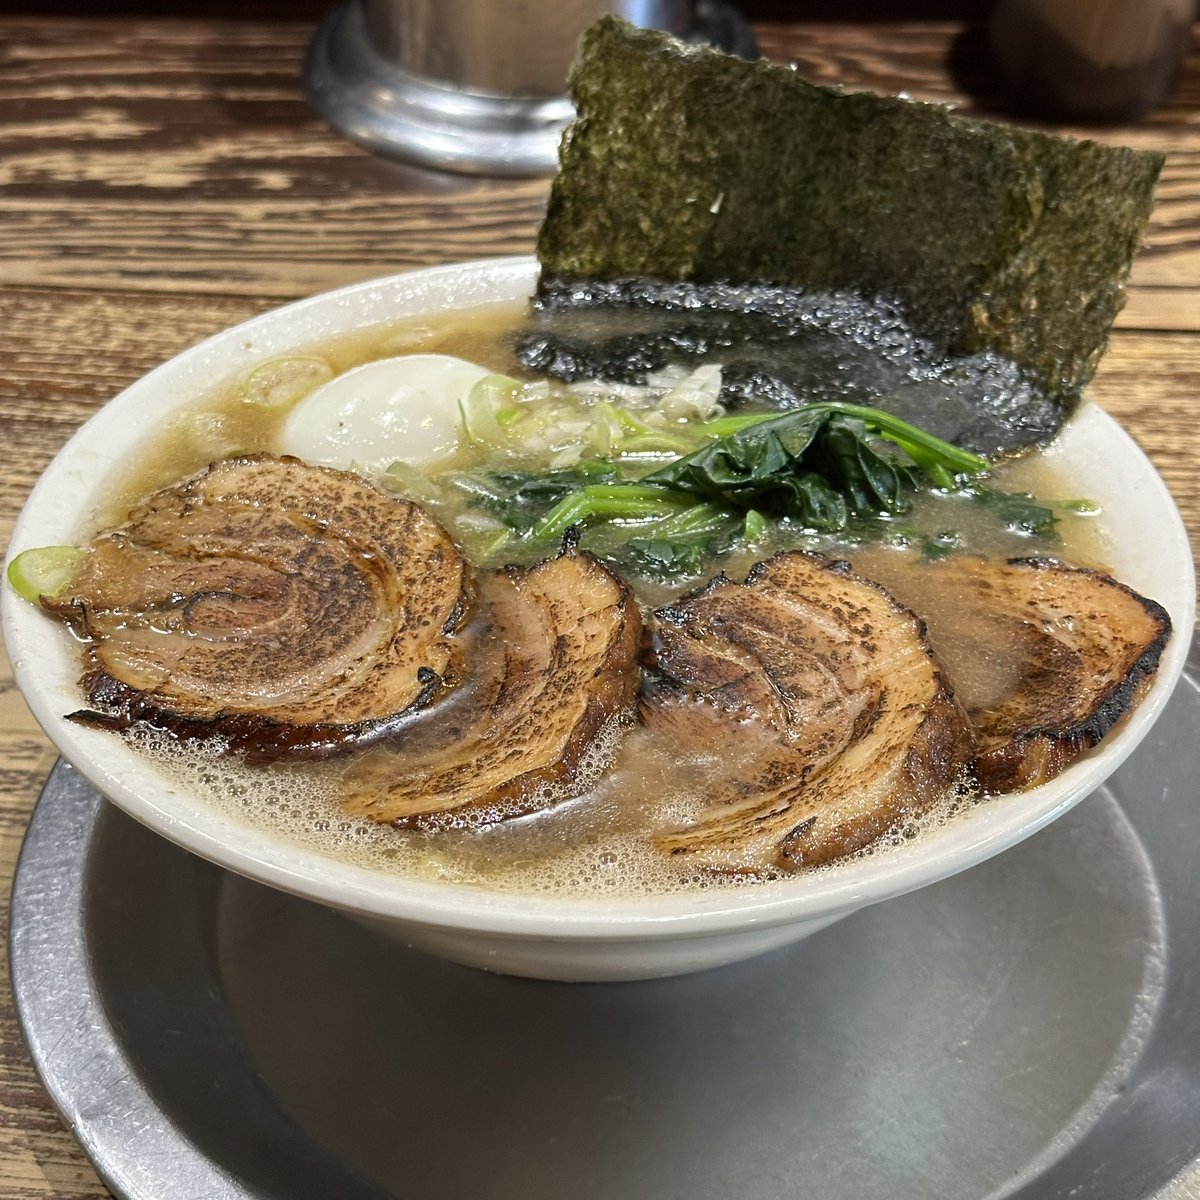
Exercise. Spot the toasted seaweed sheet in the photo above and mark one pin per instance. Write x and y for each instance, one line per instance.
(684, 164)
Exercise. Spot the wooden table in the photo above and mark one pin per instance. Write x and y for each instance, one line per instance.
(162, 179)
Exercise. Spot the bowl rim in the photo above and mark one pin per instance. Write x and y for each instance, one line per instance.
(125, 777)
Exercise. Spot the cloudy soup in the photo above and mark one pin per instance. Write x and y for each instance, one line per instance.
(630, 785)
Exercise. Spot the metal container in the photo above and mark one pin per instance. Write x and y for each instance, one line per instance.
(472, 85)
(518, 48)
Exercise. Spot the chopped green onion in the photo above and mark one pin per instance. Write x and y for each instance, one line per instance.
(640, 438)
(43, 571)
(481, 409)
(405, 479)
(209, 434)
(282, 382)
(755, 527)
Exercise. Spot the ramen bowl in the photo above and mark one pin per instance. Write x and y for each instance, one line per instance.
(565, 937)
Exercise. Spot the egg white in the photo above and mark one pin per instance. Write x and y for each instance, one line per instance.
(402, 409)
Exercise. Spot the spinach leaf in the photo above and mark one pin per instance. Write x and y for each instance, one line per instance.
(666, 558)
(828, 467)
(1019, 511)
(521, 498)
(819, 465)
(681, 543)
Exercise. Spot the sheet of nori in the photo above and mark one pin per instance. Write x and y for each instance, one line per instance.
(685, 163)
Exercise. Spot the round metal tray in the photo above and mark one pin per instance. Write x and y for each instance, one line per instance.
(1030, 1028)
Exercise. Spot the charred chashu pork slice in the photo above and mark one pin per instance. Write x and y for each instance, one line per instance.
(281, 605)
(1044, 657)
(855, 727)
(555, 662)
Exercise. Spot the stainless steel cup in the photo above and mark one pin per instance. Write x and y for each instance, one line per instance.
(466, 85)
(508, 48)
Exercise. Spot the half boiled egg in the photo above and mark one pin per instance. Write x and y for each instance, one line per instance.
(403, 409)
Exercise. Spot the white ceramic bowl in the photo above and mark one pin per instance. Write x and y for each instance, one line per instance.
(551, 938)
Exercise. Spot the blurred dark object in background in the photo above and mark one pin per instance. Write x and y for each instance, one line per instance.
(1008, 58)
(1090, 61)
(314, 10)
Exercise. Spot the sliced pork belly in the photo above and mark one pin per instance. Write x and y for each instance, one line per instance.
(278, 604)
(555, 662)
(855, 726)
(1044, 657)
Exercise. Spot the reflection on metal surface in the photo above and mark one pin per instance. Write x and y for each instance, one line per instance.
(881, 1056)
(472, 85)
(1030, 1028)
(518, 48)
(185, 1116)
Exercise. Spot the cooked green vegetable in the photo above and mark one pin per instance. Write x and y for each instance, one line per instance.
(481, 411)
(820, 467)
(521, 498)
(43, 571)
(1019, 511)
(682, 543)
(1022, 513)
(817, 464)
(411, 482)
(608, 502)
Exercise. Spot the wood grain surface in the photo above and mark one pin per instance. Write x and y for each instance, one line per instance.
(161, 179)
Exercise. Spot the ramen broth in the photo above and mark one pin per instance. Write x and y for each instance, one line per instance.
(599, 842)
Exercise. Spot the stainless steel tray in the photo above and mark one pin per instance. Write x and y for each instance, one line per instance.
(1030, 1028)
